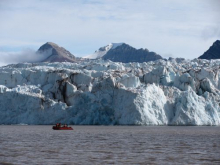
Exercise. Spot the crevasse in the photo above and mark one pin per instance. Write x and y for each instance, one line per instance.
(163, 92)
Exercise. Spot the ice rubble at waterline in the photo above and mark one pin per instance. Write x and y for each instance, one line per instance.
(97, 92)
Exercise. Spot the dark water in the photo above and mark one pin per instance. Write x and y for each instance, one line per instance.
(109, 145)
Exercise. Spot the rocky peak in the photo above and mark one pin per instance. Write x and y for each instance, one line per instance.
(126, 53)
(213, 52)
(122, 52)
(55, 53)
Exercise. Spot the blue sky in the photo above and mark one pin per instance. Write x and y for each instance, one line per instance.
(169, 27)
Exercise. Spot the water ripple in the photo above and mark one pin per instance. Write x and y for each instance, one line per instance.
(109, 145)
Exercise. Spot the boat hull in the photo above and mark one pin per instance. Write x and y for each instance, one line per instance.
(62, 128)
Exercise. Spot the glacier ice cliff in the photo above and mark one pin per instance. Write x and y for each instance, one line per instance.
(97, 92)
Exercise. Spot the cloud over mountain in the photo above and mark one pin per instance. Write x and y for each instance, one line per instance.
(26, 55)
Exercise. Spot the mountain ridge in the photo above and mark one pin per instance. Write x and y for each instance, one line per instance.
(122, 52)
(55, 53)
(103, 50)
(213, 52)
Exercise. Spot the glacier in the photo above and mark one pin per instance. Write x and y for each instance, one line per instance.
(98, 92)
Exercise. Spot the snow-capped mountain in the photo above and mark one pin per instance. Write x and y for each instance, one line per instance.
(121, 52)
(103, 50)
(213, 52)
(55, 53)
(173, 92)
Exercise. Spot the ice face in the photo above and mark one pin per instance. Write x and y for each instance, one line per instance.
(173, 92)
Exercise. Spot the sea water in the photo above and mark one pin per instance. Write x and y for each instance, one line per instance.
(109, 145)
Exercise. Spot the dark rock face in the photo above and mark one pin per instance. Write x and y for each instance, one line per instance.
(55, 53)
(213, 52)
(125, 53)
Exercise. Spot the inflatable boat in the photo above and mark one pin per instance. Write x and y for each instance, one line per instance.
(62, 128)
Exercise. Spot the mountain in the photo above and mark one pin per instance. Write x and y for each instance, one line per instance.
(213, 52)
(122, 52)
(55, 53)
(103, 50)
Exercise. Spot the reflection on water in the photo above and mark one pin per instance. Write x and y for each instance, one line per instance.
(109, 145)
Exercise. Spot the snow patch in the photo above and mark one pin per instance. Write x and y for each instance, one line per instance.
(103, 50)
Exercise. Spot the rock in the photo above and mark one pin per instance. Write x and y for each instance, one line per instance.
(122, 52)
(213, 52)
(55, 53)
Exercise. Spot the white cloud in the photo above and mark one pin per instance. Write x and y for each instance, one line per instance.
(27, 55)
(82, 26)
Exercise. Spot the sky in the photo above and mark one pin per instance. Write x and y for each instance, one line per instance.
(171, 28)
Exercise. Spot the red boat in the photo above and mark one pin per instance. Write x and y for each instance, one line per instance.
(59, 127)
